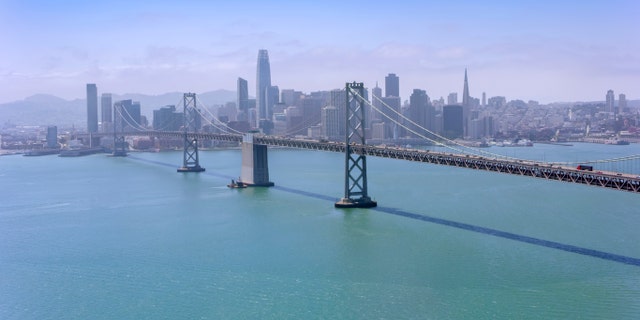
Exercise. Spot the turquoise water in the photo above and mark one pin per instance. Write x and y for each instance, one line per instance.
(129, 238)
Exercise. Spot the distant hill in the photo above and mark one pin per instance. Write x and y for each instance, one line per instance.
(43, 109)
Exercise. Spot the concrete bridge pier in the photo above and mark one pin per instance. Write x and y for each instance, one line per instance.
(255, 167)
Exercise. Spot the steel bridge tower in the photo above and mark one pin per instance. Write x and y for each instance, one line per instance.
(191, 162)
(355, 184)
(119, 144)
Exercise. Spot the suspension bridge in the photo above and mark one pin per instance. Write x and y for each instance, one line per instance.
(255, 171)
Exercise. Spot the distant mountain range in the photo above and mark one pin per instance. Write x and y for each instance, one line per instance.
(44, 109)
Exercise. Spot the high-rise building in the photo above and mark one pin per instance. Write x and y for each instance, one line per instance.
(484, 99)
(243, 99)
(610, 101)
(466, 104)
(465, 91)
(390, 111)
(452, 121)
(419, 112)
(330, 122)
(622, 102)
(106, 112)
(377, 95)
(52, 137)
(106, 107)
(391, 85)
(452, 98)
(92, 107)
(263, 83)
(127, 116)
(167, 119)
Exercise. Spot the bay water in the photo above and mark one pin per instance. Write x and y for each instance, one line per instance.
(98, 237)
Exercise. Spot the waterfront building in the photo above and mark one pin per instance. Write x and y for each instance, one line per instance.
(92, 108)
(52, 137)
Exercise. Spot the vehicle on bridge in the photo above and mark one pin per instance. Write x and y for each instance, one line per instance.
(584, 167)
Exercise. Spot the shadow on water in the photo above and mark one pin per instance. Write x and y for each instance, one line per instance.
(449, 223)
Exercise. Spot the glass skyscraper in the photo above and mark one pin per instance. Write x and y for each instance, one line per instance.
(92, 107)
(243, 99)
(263, 83)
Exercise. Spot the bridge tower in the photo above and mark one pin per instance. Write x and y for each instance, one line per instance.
(119, 145)
(355, 184)
(191, 161)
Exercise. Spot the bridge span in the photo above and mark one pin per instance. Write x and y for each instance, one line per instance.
(534, 169)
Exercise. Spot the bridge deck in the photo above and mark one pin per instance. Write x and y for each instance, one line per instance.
(612, 180)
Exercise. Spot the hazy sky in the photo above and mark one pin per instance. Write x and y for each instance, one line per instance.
(531, 50)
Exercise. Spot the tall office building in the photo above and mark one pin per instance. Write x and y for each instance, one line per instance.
(610, 101)
(622, 102)
(452, 126)
(390, 111)
(419, 112)
(330, 125)
(243, 99)
(127, 116)
(374, 115)
(92, 108)
(392, 85)
(465, 91)
(106, 111)
(263, 83)
(167, 119)
(452, 98)
(466, 105)
(52, 137)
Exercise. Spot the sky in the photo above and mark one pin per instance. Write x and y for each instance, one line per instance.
(548, 51)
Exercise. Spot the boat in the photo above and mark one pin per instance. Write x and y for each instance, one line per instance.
(80, 152)
(236, 184)
(41, 152)
(617, 142)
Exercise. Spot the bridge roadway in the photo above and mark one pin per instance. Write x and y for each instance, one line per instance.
(549, 171)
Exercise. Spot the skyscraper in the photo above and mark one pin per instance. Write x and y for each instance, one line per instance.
(466, 104)
(452, 121)
(106, 111)
(622, 102)
(243, 99)
(377, 95)
(392, 85)
(465, 90)
(92, 108)
(610, 101)
(263, 83)
(419, 112)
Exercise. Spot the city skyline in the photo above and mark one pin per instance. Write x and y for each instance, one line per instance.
(530, 50)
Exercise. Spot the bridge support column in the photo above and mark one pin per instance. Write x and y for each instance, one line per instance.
(355, 184)
(191, 161)
(255, 165)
